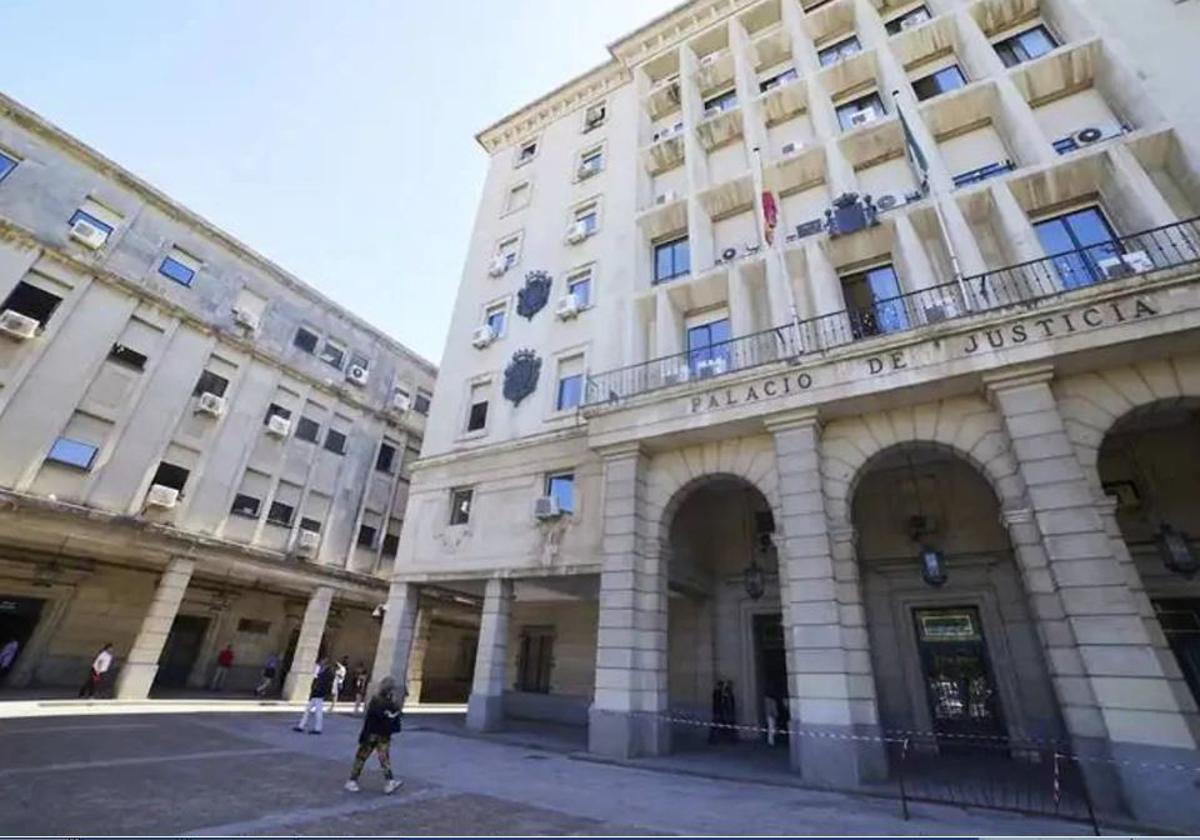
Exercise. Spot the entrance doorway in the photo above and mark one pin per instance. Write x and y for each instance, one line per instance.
(771, 659)
(963, 702)
(1180, 619)
(18, 619)
(181, 651)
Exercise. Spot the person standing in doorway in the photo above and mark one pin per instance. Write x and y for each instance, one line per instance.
(382, 721)
(8, 655)
(729, 708)
(340, 670)
(718, 714)
(270, 668)
(100, 666)
(224, 663)
(361, 678)
(322, 685)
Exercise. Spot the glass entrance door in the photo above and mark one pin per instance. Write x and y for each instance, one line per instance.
(961, 692)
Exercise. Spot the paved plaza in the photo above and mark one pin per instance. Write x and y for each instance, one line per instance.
(248, 773)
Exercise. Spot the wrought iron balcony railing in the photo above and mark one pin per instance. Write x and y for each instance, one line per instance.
(1024, 284)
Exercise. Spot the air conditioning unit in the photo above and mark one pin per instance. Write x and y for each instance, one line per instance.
(483, 336)
(162, 496)
(546, 507)
(401, 402)
(576, 233)
(677, 376)
(85, 233)
(864, 117)
(913, 20)
(279, 426)
(708, 60)
(568, 307)
(665, 197)
(307, 542)
(941, 311)
(211, 404)
(729, 255)
(1087, 136)
(18, 326)
(1134, 262)
(890, 201)
(789, 148)
(246, 318)
(588, 169)
(711, 367)
(498, 265)
(1139, 261)
(713, 111)
(357, 374)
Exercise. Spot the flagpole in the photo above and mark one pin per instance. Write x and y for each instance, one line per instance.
(787, 281)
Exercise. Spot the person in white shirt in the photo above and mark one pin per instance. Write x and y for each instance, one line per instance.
(341, 669)
(100, 666)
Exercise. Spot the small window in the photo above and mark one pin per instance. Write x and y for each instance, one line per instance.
(307, 523)
(527, 152)
(460, 505)
(591, 162)
(518, 197)
(594, 115)
(308, 429)
(570, 392)
(366, 536)
(335, 442)
(840, 51)
(210, 383)
(244, 505)
(494, 318)
(385, 461)
(82, 216)
(306, 340)
(333, 354)
(391, 545)
(510, 249)
(535, 658)
(1025, 46)
(128, 356)
(913, 17)
(589, 217)
(580, 285)
(778, 79)
(561, 488)
(276, 410)
(73, 453)
(671, 259)
(7, 165)
(31, 302)
(721, 102)
(179, 267)
(281, 513)
(947, 79)
(171, 475)
(848, 113)
(253, 626)
(477, 417)
(421, 403)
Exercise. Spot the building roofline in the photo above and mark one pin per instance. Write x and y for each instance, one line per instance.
(49, 131)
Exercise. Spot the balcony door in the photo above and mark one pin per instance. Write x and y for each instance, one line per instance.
(708, 348)
(1076, 242)
(873, 302)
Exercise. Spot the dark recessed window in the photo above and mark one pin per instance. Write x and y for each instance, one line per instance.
(170, 475)
(307, 429)
(210, 383)
(306, 340)
(535, 659)
(561, 488)
(1025, 46)
(275, 410)
(477, 419)
(366, 536)
(309, 524)
(527, 152)
(386, 458)
(911, 18)
(127, 356)
(671, 259)
(839, 51)
(873, 302)
(460, 506)
(244, 505)
(7, 165)
(253, 626)
(721, 102)
(73, 453)
(421, 403)
(391, 545)
(281, 514)
(946, 79)
(778, 79)
(860, 111)
(177, 271)
(335, 442)
(333, 354)
(570, 391)
(81, 216)
(31, 302)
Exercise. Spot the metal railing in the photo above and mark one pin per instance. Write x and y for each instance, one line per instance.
(1024, 284)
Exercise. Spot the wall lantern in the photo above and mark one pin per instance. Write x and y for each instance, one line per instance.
(933, 566)
(754, 579)
(1177, 554)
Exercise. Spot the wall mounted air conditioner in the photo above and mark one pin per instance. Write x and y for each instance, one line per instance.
(162, 496)
(279, 426)
(915, 19)
(210, 404)
(1087, 136)
(483, 336)
(941, 310)
(864, 117)
(401, 402)
(245, 318)
(568, 307)
(17, 325)
(546, 507)
(498, 265)
(1133, 262)
(713, 111)
(677, 376)
(87, 234)
(890, 201)
(307, 542)
(709, 60)
(711, 367)
(665, 197)
(790, 148)
(576, 233)
(357, 374)
(588, 169)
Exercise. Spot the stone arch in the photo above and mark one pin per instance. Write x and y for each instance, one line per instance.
(1092, 403)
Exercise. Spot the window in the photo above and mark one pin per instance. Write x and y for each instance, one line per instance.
(708, 347)
(561, 488)
(307, 523)
(333, 353)
(570, 384)
(909, 19)
(391, 545)
(82, 216)
(518, 197)
(872, 302)
(179, 267)
(721, 102)
(308, 429)
(31, 302)
(170, 475)
(848, 113)
(477, 414)
(671, 259)
(991, 170)
(1025, 46)
(276, 410)
(580, 285)
(527, 152)
(306, 340)
(73, 453)
(281, 513)
(366, 536)
(839, 51)
(510, 249)
(594, 115)
(210, 383)
(535, 659)
(460, 505)
(494, 318)
(591, 162)
(7, 165)
(127, 356)
(421, 403)
(386, 459)
(947, 79)
(335, 442)
(1076, 242)
(589, 217)
(778, 79)
(253, 626)
(244, 505)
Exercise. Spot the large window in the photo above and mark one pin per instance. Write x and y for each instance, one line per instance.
(839, 51)
(708, 347)
(671, 259)
(1027, 45)
(947, 79)
(1077, 242)
(861, 111)
(535, 659)
(872, 302)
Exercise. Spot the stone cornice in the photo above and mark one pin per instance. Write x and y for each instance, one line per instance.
(669, 30)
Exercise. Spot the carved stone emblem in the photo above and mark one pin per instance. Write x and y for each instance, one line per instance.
(521, 375)
(850, 213)
(534, 295)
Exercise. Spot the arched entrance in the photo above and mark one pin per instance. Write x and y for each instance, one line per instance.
(724, 627)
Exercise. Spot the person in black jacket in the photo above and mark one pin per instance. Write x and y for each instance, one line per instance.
(380, 723)
(322, 687)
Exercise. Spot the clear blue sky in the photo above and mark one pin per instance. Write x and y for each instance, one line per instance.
(335, 138)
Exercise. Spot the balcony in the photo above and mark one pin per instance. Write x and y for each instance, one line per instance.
(722, 128)
(715, 70)
(1024, 286)
(772, 47)
(665, 153)
(783, 101)
(663, 98)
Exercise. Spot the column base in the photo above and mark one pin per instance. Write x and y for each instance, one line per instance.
(296, 687)
(485, 712)
(1156, 794)
(134, 680)
(839, 756)
(627, 734)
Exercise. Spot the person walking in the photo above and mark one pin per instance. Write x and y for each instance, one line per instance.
(100, 666)
(224, 663)
(340, 670)
(381, 722)
(270, 667)
(361, 678)
(8, 655)
(322, 685)
(729, 707)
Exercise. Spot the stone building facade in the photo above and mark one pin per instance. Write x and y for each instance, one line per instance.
(847, 351)
(196, 448)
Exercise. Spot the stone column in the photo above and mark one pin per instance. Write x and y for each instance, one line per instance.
(308, 646)
(1116, 699)
(485, 708)
(626, 718)
(831, 687)
(137, 674)
(396, 635)
(416, 660)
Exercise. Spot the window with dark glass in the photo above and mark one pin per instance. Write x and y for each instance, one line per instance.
(31, 302)
(848, 111)
(333, 354)
(1025, 46)
(7, 165)
(872, 302)
(335, 442)
(460, 506)
(391, 545)
(477, 417)
(308, 430)
(366, 536)
(947, 79)
(527, 152)
(671, 259)
(386, 459)
(778, 79)
(244, 505)
(722, 101)
(275, 410)
(73, 453)
(128, 356)
(421, 403)
(909, 19)
(170, 475)
(309, 524)
(1076, 242)
(708, 347)
(841, 50)
(281, 513)
(306, 340)
(561, 488)
(570, 392)
(535, 659)
(210, 383)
